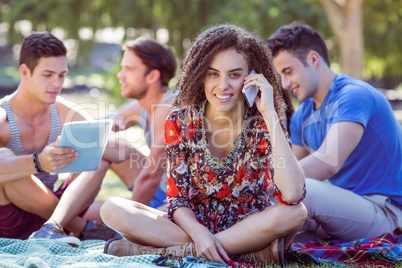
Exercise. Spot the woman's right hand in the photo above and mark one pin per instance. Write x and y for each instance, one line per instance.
(206, 244)
(208, 247)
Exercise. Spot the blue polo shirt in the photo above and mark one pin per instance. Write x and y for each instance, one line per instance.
(375, 166)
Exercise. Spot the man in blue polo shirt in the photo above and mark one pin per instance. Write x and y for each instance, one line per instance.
(344, 131)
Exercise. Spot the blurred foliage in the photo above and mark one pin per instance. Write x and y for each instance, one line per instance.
(184, 19)
(382, 21)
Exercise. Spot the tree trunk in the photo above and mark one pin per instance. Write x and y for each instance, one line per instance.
(345, 18)
(202, 12)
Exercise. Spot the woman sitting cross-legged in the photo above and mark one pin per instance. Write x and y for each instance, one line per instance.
(222, 156)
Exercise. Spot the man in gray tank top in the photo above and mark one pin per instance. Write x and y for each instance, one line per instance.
(30, 121)
(146, 69)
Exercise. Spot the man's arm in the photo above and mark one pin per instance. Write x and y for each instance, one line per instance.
(118, 149)
(300, 152)
(342, 138)
(148, 180)
(127, 116)
(14, 167)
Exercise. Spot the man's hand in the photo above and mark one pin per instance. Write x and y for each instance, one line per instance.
(118, 123)
(52, 158)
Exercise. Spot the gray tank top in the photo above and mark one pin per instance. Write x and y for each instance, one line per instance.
(148, 133)
(15, 141)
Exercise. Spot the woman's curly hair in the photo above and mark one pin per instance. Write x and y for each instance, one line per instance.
(204, 49)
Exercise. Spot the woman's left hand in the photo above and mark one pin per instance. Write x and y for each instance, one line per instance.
(266, 102)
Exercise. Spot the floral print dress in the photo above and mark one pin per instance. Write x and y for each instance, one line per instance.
(220, 193)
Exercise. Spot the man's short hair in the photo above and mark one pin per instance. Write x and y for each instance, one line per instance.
(154, 55)
(298, 39)
(40, 45)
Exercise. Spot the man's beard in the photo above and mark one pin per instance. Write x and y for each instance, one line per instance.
(135, 94)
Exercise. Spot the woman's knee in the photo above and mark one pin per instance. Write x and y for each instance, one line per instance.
(110, 209)
(116, 208)
(288, 217)
(300, 213)
(295, 215)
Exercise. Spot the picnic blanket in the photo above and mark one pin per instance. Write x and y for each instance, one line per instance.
(385, 250)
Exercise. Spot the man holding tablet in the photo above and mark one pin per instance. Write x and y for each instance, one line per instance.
(31, 119)
(147, 68)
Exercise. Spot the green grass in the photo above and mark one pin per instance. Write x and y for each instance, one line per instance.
(111, 186)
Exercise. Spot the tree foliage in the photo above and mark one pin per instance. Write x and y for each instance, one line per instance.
(382, 21)
(184, 19)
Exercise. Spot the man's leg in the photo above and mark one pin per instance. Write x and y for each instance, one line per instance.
(77, 197)
(129, 169)
(342, 214)
(29, 194)
(24, 206)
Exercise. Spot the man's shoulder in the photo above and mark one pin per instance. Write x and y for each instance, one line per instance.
(70, 111)
(345, 85)
(63, 103)
(3, 115)
(353, 93)
(1, 101)
(169, 97)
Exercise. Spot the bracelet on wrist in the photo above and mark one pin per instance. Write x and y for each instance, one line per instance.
(36, 163)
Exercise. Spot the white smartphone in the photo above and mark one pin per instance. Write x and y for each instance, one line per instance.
(250, 93)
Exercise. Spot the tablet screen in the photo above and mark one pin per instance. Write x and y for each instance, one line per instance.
(89, 139)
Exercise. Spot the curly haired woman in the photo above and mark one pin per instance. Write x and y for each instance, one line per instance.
(222, 158)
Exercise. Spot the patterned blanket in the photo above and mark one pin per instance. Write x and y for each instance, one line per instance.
(385, 250)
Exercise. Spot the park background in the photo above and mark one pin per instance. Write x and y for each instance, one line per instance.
(364, 39)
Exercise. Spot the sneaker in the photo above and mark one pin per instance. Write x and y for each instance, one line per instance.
(96, 230)
(55, 232)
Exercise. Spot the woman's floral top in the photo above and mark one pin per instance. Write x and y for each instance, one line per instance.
(220, 193)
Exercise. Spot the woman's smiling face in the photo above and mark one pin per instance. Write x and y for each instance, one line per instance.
(224, 81)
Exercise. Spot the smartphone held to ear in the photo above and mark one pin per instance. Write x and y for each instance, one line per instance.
(250, 93)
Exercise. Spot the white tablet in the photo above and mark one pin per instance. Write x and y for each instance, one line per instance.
(89, 139)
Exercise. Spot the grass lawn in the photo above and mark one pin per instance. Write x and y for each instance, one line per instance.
(111, 186)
